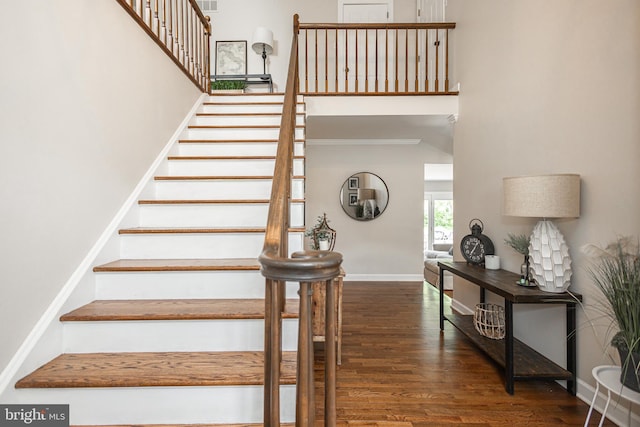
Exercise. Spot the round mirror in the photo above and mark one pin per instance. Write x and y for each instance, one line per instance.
(364, 196)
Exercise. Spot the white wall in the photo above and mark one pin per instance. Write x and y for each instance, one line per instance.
(237, 19)
(87, 102)
(549, 87)
(389, 246)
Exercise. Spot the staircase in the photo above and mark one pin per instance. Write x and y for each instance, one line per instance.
(176, 333)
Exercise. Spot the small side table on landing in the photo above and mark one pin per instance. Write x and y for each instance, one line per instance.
(609, 378)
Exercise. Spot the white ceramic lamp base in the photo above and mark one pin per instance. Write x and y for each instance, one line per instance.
(549, 256)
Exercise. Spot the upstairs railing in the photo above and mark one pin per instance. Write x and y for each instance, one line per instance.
(181, 31)
(303, 267)
(375, 59)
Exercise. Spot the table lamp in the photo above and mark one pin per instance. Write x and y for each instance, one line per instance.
(263, 44)
(545, 196)
(367, 197)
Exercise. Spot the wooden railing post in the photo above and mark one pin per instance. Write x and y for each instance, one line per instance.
(330, 355)
(305, 387)
(272, 354)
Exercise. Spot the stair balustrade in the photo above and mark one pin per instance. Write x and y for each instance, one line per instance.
(304, 267)
(181, 30)
(375, 59)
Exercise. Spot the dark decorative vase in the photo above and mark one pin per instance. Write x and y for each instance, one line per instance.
(630, 373)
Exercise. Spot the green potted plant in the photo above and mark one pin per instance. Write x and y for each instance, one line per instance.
(616, 272)
(520, 243)
(228, 86)
(321, 236)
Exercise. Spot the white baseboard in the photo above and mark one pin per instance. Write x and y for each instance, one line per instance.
(459, 307)
(53, 311)
(383, 277)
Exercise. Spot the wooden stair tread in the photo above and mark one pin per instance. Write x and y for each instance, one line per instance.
(233, 141)
(208, 201)
(239, 126)
(248, 103)
(220, 177)
(187, 425)
(227, 157)
(174, 309)
(241, 114)
(198, 230)
(156, 369)
(226, 264)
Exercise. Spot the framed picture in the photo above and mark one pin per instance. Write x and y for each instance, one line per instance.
(354, 183)
(231, 57)
(353, 199)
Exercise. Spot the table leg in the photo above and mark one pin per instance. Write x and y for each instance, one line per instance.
(508, 346)
(571, 347)
(604, 411)
(593, 402)
(441, 285)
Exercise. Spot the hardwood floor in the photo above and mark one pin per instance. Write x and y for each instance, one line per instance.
(399, 370)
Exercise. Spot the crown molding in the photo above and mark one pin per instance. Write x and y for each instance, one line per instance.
(363, 141)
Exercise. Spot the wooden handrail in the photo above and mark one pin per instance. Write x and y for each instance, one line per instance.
(380, 26)
(303, 267)
(407, 57)
(181, 30)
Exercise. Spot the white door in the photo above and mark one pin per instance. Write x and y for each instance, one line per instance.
(365, 12)
(354, 11)
(431, 11)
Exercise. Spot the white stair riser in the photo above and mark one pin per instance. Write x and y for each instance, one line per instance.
(184, 285)
(220, 97)
(247, 108)
(221, 189)
(176, 335)
(243, 120)
(213, 215)
(234, 149)
(162, 405)
(248, 97)
(240, 167)
(200, 245)
(233, 134)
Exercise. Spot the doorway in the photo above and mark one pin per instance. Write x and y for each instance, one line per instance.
(438, 208)
(365, 11)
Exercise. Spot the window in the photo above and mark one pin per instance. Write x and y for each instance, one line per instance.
(438, 221)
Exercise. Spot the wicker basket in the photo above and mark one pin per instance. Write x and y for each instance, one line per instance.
(489, 321)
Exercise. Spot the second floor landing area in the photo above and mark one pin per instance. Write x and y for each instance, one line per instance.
(377, 83)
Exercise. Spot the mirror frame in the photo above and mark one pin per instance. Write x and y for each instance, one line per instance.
(349, 195)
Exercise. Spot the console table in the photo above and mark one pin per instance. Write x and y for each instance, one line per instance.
(249, 79)
(518, 360)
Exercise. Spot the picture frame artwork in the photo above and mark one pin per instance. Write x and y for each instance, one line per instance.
(354, 183)
(353, 199)
(231, 57)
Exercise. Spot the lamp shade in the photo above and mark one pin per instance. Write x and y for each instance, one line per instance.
(262, 38)
(542, 196)
(366, 194)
